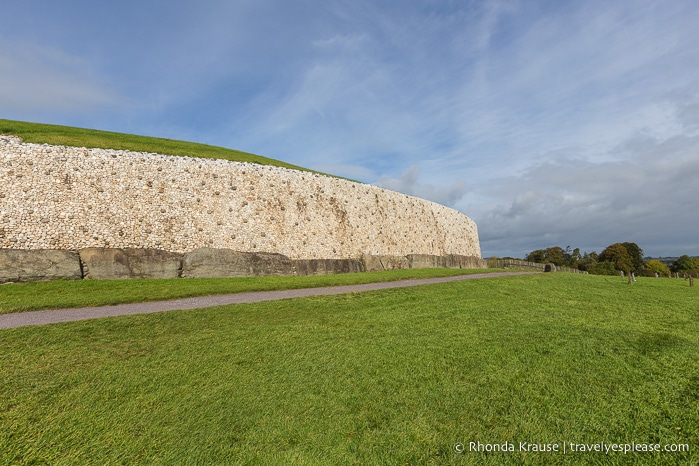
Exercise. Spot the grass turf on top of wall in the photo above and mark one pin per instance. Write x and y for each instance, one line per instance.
(390, 377)
(79, 137)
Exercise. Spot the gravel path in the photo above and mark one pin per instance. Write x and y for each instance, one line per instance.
(21, 319)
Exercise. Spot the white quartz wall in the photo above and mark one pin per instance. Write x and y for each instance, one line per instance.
(56, 197)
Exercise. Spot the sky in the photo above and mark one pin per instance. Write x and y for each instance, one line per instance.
(549, 123)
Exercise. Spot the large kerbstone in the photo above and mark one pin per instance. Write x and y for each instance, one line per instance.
(113, 263)
(38, 265)
(373, 263)
(451, 261)
(426, 261)
(213, 263)
(455, 261)
(327, 266)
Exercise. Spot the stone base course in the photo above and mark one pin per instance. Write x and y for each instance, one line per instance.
(115, 263)
(451, 261)
(214, 263)
(374, 263)
(111, 263)
(327, 266)
(32, 266)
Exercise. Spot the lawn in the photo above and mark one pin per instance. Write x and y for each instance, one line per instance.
(399, 376)
(58, 294)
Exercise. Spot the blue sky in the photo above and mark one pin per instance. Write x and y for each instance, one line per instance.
(547, 122)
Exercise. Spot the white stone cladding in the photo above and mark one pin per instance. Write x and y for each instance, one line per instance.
(57, 197)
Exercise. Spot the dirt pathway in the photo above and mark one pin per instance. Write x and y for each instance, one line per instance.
(21, 319)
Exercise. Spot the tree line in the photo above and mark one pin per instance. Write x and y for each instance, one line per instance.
(615, 258)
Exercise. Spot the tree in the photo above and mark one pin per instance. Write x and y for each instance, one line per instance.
(636, 255)
(682, 264)
(575, 257)
(554, 254)
(588, 261)
(603, 268)
(536, 256)
(655, 266)
(619, 256)
(623, 256)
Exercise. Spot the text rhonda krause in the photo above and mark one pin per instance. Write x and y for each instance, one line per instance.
(572, 447)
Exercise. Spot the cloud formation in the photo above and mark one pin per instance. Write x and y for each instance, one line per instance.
(408, 183)
(645, 193)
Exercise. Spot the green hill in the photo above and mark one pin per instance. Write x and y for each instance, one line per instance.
(79, 137)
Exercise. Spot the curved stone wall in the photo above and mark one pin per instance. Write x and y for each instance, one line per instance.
(67, 198)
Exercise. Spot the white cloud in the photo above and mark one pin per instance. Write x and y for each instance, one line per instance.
(408, 183)
(647, 195)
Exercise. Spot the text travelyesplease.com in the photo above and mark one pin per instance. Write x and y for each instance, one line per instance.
(570, 447)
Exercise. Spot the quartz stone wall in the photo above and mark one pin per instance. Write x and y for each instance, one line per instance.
(68, 198)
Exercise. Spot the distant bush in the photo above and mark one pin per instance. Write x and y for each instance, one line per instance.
(655, 266)
(686, 264)
(604, 268)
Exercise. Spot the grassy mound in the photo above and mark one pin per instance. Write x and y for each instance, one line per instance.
(79, 137)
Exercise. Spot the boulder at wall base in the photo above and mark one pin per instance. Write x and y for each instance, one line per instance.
(373, 263)
(451, 261)
(213, 263)
(455, 261)
(326, 266)
(426, 261)
(18, 265)
(112, 263)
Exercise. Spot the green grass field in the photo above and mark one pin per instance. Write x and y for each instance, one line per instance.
(68, 136)
(392, 377)
(59, 294)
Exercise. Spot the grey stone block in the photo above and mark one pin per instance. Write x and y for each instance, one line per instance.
(455, 261)
(113, 263)
(451, 261)
(18, 265)
(373, 263)
(326, 266)
(213, 263)
(426, 261)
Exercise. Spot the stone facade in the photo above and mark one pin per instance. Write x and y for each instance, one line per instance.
(17, 265)
(68, 198)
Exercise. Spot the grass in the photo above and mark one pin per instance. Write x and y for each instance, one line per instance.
(391, 377)
(68, 136)
(33, 296)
